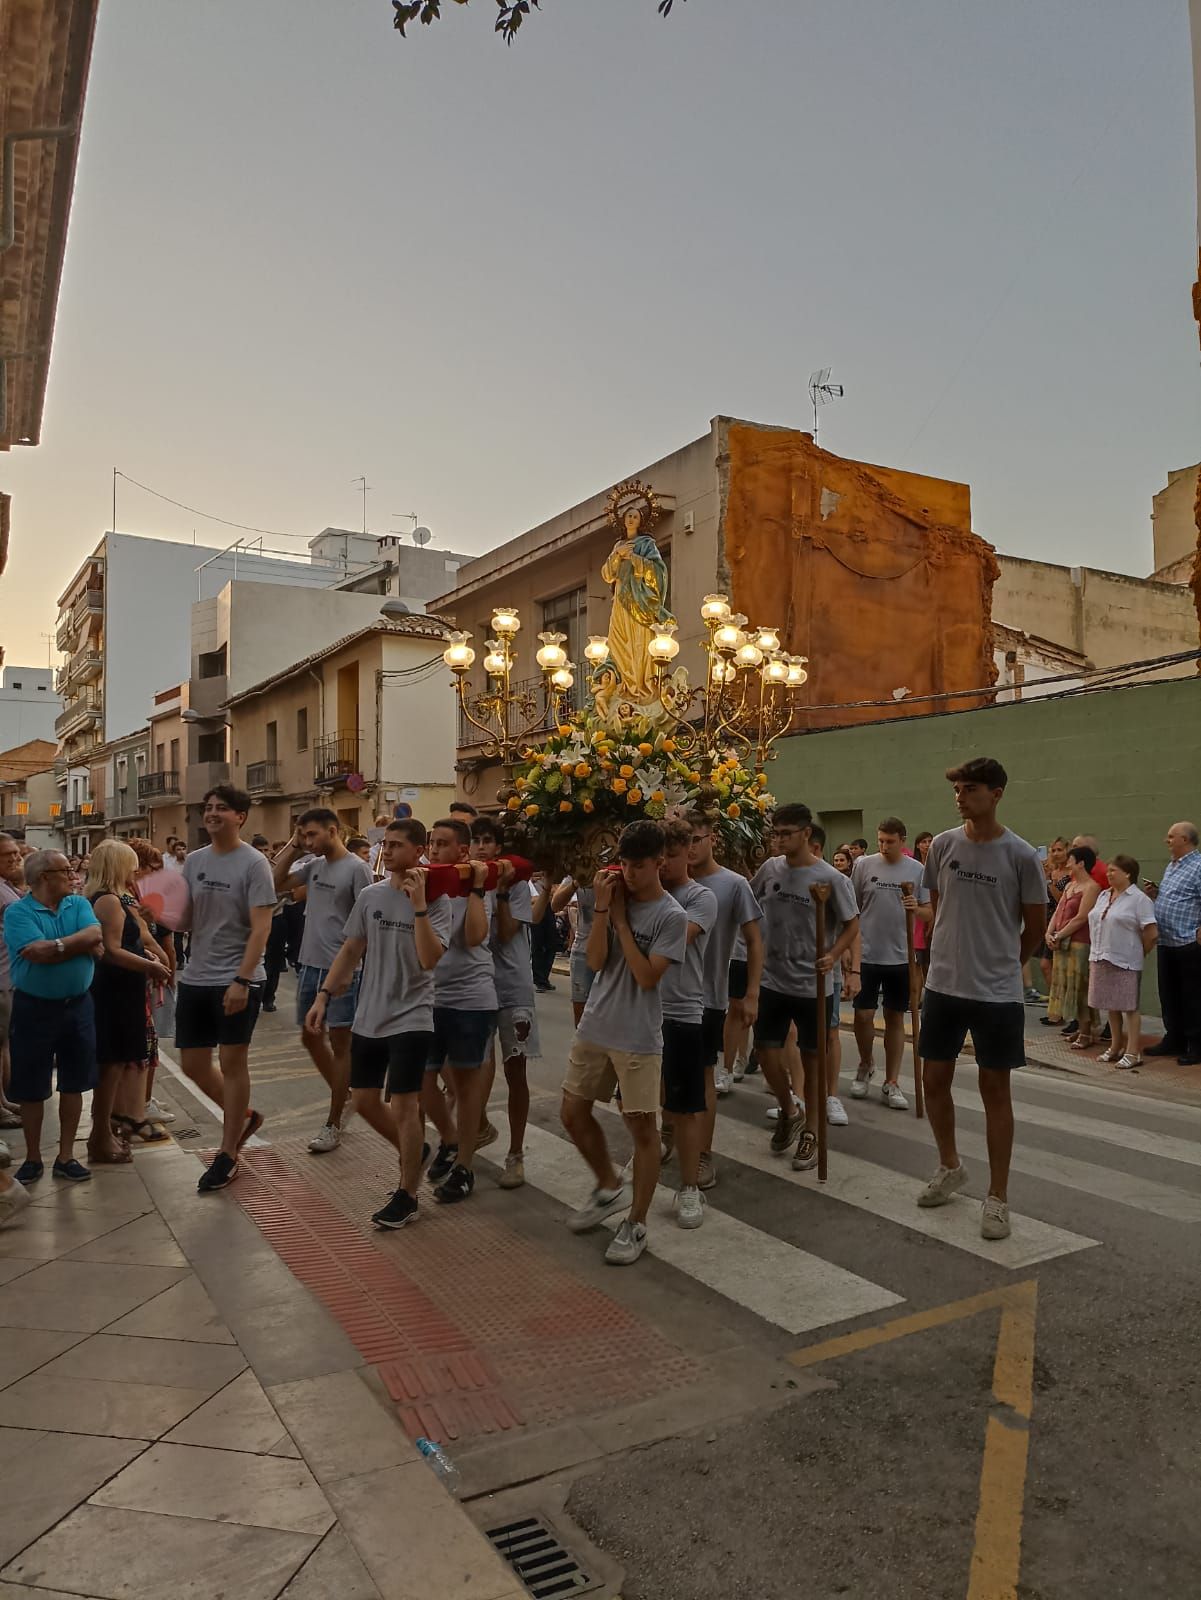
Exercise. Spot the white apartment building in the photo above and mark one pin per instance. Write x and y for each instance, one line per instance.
(28, 704)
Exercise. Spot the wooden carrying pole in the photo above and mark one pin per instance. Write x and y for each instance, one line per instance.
(915, 994)
(820, 893)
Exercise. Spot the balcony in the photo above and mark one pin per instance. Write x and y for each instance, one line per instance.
(206, 696)
(60, 768)
(124, 806)
(14, 823)
(201, 776)
(85, 711)
(85, 665)
(158, 788)
(262, 777)
(89, 604)
(337, 755)
(78, 818)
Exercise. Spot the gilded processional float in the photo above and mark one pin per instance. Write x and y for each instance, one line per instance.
(645, 741)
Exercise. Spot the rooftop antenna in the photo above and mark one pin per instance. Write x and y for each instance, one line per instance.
(49, 637)
(421, 536)
(821, 392)
(364, 486)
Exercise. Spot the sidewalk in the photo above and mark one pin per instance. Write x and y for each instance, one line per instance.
(180, 1417)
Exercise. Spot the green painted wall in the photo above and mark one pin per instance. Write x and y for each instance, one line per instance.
(1121, 763)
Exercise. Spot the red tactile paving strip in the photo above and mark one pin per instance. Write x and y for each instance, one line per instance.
(475, 1329)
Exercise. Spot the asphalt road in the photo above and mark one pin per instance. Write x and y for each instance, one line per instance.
(861, 1475)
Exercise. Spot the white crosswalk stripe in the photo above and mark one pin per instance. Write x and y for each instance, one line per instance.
(776, 1280)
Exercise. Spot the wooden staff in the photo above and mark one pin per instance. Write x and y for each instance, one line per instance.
(915, 994)
(821, 893)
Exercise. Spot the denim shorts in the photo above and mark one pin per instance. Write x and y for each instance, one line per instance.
(461, 1038)
(339, 1012)
(517, 1029)
(581, 979)
(49, 1036)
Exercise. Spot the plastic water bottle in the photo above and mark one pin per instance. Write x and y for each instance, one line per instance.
(440, 1462)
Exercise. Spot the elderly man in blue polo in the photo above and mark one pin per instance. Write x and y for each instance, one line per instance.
(1177, 899)
(54, 941)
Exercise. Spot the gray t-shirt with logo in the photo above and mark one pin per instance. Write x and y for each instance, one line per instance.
(514, 975)
(619, 1015)
(585, 902)
(333, 887)
(877, 885)
(465, 977)
(975, 944)
(225, 889)
(396, 994)
(790, 922)
(736, 906)
(682, 988)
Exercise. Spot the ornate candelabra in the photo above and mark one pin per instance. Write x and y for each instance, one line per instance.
(504, 713)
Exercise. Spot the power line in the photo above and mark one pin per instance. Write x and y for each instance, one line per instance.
(209, 516)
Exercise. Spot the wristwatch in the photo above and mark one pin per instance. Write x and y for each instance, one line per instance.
(503, 895)
(245, 982)
(479, 889)
(421, 913)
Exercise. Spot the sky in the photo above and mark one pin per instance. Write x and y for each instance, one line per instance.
(496, 281)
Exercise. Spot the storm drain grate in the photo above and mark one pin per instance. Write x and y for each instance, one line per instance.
(539, 1559)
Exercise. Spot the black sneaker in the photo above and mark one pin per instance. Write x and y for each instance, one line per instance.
(223, 1171)
(401, 1209)
(787, 1129)
(442, 1162)
(457, 1186)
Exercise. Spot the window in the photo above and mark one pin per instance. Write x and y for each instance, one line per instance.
(302, 728)
(568, 614)
(210, 747)
(16, 684)
(211, 664)
(174, 756)
(160, 751)
(273, 741)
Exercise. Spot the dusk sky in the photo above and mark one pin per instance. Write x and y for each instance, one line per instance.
(498, 280)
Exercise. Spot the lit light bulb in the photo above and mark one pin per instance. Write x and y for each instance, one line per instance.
(776, 670)
(552, 654)
(496, 659)
(505, 621)
(715, 608)
(768, 640)
(726, 636)
(664, 647)
(796, 671)
(563, 678)
(748, 653)
(597, 649)
(458, 654)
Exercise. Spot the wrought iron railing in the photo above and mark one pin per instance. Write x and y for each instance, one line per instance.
(336, 755)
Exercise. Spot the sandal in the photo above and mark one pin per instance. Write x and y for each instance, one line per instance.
(1112, 1054)
(119, 1158)
(1128, 1063)
(1082, 1041)
(147, 1132)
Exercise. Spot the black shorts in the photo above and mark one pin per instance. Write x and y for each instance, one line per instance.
(200, 1020)
(48, 1038)
(737, 980)
(683, 1067)
(396, 1063)
(461, 1039)
(997, 1028)
(713, 1035)
(887, 982)
(778, 1011)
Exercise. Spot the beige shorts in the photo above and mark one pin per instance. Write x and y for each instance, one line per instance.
(594, 1072)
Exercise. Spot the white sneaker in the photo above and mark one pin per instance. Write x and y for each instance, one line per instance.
(13, 1199)
(836, 1112)
(6, 1155)
(893, 1097)
(947, 1181)
(600, 1204)
(860, 1085)
(690, 1208)
(157, 1113)
(723, 1081)
(773, 1114)
(628, 1244)
(328, 1139)
(994, 1219)
(739, 1072)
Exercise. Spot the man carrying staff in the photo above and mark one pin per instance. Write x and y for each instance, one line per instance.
(879, 882)
(989, 899)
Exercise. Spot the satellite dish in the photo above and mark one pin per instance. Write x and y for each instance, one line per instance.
(422, 536)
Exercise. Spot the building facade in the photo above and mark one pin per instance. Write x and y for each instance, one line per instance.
(28, 704)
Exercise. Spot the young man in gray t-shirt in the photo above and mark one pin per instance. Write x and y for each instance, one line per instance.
(989, 897)
(399, 938)
(638, 931)
(880, 883)
(333, 878)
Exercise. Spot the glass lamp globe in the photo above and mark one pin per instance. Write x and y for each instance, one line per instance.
(597, 649)
(505, 621)
(458, 654)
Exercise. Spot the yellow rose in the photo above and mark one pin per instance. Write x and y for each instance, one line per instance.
(694, 777)
(520, 782)
(606, 766)
(626, 772)
(733, 809)
(658, 795)
(565, 768)
(564, 805)
(669, 745)
(588, 806)
(762, 804)
(634, 796)
(532, 811)
(619, 786)
(564, 730)
(645, 749)
(583, 770)
(514, 802)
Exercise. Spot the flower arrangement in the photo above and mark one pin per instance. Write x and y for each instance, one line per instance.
(589, 779)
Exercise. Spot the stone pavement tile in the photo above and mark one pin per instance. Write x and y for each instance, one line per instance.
(11, 1267)
(181, 1480)
(74, 1405)
(286, 1447)
(51, 1475)
(407, 1528)
(289, 1341)
(144, 1242)
(240, 1417)
(79, 1295)
(183, 1312)
(169, 1363)
(23, 1350)
(343, 1423)
(46, 1235)
(332, 1569)
(18, 1591)
(132, 1555)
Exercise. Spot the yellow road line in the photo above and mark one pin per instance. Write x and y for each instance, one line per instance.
(997, 1553)
(900, 1327)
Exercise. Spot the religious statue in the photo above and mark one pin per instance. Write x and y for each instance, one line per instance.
(638, 575)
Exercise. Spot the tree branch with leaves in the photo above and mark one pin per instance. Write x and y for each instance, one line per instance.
(510, 16)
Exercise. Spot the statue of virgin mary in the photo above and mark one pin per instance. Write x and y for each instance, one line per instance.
(638, 575)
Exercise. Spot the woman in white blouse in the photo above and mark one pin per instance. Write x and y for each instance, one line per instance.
(1122, 929)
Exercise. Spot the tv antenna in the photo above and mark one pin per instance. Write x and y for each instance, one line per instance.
(364, 488)
(821, 392)
(421, 536)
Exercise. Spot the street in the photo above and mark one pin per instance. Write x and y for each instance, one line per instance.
(699, 1422)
